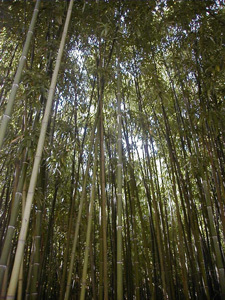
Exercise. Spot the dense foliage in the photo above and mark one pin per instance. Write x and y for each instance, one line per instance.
(164, 61)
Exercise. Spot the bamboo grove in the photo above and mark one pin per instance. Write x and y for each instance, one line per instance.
(112, 149)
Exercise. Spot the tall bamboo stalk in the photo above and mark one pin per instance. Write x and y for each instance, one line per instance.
(12, 222)
(8, 112)
(119, 184)
(218, 255)
(88, 235)
(33, 180)
(36, 260)
(69, 278)
(73, 195)
(20, 280)
(103, 192)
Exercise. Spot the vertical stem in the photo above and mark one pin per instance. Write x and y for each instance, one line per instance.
(119, 183)
(103, 199)
(8, 112)
(33, 180)
(36, 261)
(219, 260)
(88, 236)
(69, 279)
(20, 281)
(12, 222)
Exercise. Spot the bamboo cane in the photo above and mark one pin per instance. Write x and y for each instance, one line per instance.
(219, 259)
(88, 236)
(33, 180)
(69, 278)
(8, 112)
(12, 223)
(119, 183)
(20, 281)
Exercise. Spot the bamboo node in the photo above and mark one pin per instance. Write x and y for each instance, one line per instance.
(16, 84)
(119, 194)
(3, 266)
(19, 193)
(38, 211)
(10, 226)
(36, 9)
(119, 262)
(119, 165)
(23, 57)
(37, 236)
(119, 227)
(7, 116)
(30, 31)
(22, 241)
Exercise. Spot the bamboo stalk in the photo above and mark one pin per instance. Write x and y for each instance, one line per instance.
(69, 278)
(119, 184)
(33, 180)
(103, 193)
(36, 260)
(73, 197)
(20, 280)
(8, 112)
(88, 235)
(5, 281)
(219, 259)
(12, 222)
